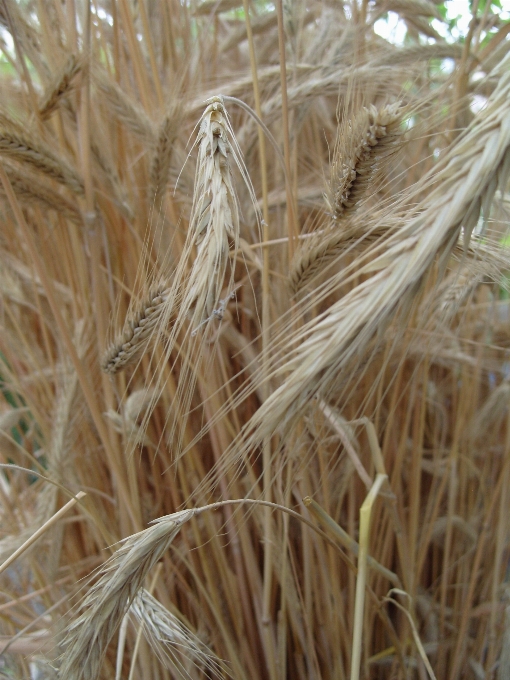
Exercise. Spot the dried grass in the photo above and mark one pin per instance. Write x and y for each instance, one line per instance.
(130, 209)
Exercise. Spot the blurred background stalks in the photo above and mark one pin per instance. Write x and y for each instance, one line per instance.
(254, 250)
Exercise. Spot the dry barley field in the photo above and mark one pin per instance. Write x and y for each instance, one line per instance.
(254, 340)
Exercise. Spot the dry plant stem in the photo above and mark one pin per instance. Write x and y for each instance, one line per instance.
(84, 382)
(498, 561)
(135, 52)
(47, 525)
(462, 80)
(364, 537)
(416, 637)
(291, 212)
(337, 426)
(152, 57)
(21, 60)
(121, 645)
(266, 322)
(20, 634)
(343, 537)
(460, 647)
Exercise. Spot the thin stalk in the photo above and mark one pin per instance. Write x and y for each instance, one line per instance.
(291, 213)
(364, 536)
(266, 323)
(36, 535)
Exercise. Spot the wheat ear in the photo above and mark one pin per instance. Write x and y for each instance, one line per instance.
(138, 330)
(29, 189)
(323, 249)
(162, 157)
(201, 273)
(362, 146)
(108, 599)
(21, 146)
(214, 221)
(59, 87)
(124, 108)
(119, 582)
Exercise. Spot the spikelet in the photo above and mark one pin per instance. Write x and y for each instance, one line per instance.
(360, 151)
